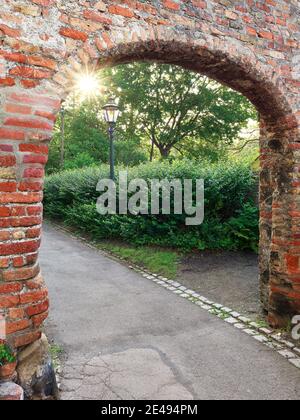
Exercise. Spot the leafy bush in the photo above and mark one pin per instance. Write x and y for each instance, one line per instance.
(6, 355)
(231, 214)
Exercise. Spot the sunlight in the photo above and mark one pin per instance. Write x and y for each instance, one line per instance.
(87, 85)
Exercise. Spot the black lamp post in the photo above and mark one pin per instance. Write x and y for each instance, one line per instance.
(62, 135)
(111, 113)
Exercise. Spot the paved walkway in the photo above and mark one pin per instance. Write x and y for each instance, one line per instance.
(127, 338)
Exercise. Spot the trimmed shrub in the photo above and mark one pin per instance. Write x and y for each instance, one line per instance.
(231, 213)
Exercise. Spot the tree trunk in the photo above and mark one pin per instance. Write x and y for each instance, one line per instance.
(62, 140)
(165, 152)
(152, 151)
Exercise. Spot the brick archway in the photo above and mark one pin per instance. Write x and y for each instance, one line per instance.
(44, 42)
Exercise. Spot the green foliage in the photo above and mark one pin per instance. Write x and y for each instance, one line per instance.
(181, 113)
(6, 355)
(86, 140)
(231, 215)
(156, 260)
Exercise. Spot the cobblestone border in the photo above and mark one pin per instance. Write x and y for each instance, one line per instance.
(268, 337)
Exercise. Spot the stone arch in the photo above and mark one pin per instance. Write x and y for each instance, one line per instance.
(235, 67)
(35, 78)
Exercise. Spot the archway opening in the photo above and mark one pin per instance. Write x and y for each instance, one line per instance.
(236, 80)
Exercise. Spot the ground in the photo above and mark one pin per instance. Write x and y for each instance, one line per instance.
(124, 337)
(230, 278)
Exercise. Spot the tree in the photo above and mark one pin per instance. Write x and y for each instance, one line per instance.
(86, 139)
(166, 112)
(177, 111)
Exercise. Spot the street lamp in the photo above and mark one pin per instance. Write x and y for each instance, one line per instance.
(62, 135)
(111, 113)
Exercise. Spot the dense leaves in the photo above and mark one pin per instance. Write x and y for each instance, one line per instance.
(167, 112)
(6, 355)
(231, 214)
(178, 111)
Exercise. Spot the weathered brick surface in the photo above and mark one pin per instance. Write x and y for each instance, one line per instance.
(10, 391)
(252, 46)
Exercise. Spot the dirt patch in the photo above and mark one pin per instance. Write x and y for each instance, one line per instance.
(229, 278)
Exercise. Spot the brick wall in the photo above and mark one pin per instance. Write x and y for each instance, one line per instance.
(252, 46)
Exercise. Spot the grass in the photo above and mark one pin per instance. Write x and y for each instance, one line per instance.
(154, 259)
(262, 323)
(158, 261)
(55, 351)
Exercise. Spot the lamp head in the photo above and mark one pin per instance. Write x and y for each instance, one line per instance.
(111, 111)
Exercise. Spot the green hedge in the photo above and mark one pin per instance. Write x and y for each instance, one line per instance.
(231, 214)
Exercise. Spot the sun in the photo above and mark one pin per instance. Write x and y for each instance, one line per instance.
(87, 85)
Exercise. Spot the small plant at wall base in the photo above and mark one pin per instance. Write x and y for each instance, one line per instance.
(6, 355)
(8, 362)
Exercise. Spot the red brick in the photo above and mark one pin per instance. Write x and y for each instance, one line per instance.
(34, 60)
(25, 339)
(7, 288)
(7, 81)
(34, 148)
(18, 262)
(18, 109)
(15, 326)
(30, 73)
(21, 197)
(10, 391)
(33, 297)
(74, 34)
(35, 100)
(16, 313)
(33, 233)
(36, 283)
(6, 161)
(25, 221)
(251, 31)
(37, 309)
(34, 173)
(13, 56)
(34, 210)
(29, 84)
(122, 11)
(266, 35)
(18, 211)
(47, 115)
(32, 258)
(19, 247)
(169, 4)
(200, 4)
(28, 123)
(42, 159)
(107, 40)
(20, 273)
(8, 186)
(11, 134)
(4, 235)
(4, 262)
(14, 33)
(6, 148)
(96, 17)
(4, 211)
(9, 301)
(30, 186)
(37, 320)
(5, 223)
(292, 262)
